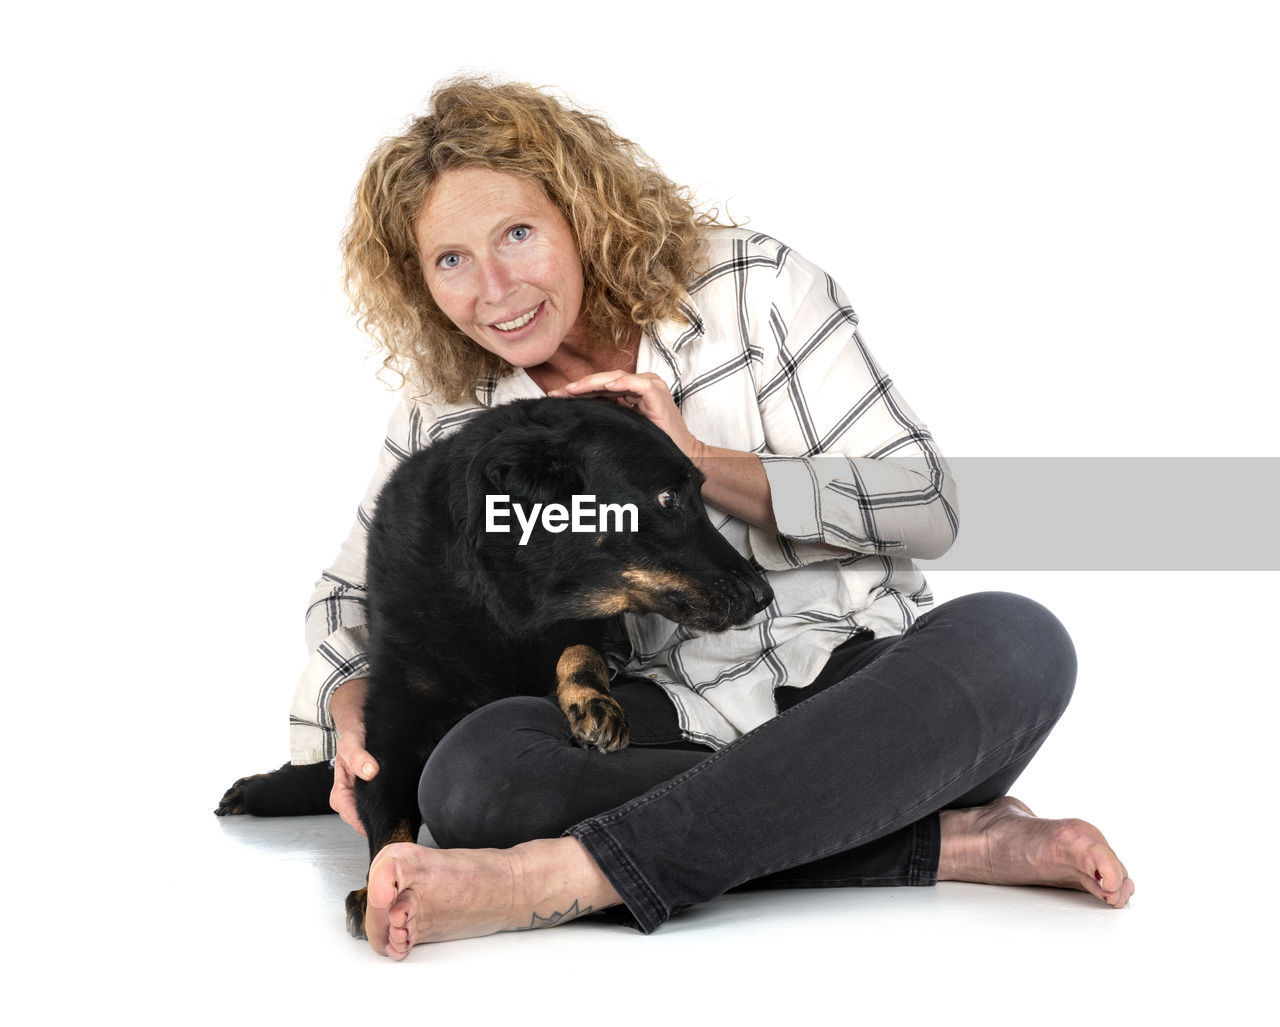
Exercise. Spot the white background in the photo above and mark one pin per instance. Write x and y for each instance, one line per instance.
(1058, 223)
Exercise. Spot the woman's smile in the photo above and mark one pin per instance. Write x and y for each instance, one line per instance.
(518, 322)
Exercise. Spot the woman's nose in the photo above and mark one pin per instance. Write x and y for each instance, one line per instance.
(496, 281)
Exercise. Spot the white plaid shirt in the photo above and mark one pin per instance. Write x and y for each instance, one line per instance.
(771, 363)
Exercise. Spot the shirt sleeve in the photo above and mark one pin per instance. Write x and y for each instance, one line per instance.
(850, 466)
(337, 613)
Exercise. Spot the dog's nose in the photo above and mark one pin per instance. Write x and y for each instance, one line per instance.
(755, 585)
(762, 592)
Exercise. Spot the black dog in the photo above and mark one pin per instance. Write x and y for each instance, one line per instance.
(481, 586)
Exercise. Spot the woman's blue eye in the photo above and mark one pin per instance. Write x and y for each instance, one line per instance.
(520, 233)
(450, 260)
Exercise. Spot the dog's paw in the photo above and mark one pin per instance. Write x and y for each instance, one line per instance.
(357, 901)
(599, 723)
(233, 802)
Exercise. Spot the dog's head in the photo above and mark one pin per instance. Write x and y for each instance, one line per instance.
(578, 509)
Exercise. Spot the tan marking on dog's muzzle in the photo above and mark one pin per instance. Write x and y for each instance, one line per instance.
(642, 580)
(638, 589)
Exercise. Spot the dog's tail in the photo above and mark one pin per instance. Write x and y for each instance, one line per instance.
(290, 791)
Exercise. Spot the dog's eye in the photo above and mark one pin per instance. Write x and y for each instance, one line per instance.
(668, 499)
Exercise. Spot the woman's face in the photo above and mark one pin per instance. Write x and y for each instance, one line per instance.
(500, 260)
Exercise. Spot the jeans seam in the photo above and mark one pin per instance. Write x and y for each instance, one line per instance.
(645, 905)
(922, 867)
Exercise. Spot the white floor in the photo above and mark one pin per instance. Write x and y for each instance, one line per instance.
(193, 918)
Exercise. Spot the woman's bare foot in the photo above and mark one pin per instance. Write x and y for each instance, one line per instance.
(1005, 843)
(418, 894)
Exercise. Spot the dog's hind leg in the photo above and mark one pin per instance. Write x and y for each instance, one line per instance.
(289, 791)
(582, 691)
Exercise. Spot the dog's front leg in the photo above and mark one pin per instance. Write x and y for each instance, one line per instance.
(582, 690)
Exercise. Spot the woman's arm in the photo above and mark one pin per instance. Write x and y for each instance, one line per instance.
(735, 480)
(736, 483)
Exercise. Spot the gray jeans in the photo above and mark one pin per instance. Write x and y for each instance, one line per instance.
(842, 788)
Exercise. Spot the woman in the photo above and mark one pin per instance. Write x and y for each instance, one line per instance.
(507, 245)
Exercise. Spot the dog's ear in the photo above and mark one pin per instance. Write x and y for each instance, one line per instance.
(529, 463)
(532, 463)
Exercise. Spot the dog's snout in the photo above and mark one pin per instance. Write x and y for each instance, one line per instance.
(753, 592)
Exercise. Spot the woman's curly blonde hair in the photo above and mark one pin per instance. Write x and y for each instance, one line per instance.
(638, 233)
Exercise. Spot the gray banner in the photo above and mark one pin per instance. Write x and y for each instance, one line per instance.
(1116, 513)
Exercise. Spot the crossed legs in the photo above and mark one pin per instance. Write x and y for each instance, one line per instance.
(894, 775)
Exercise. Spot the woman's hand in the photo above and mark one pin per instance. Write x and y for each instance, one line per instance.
(735, 481)
(646, 393)
(347, 709)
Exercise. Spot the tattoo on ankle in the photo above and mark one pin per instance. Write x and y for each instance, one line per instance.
(572, 913)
